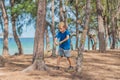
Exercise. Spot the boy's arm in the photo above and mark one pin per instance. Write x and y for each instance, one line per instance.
(56, 41)
(67, 37)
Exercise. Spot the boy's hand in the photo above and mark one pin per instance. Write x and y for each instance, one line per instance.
(56, 43)
(60, 42)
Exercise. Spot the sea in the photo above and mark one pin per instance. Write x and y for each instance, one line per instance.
(28, 44)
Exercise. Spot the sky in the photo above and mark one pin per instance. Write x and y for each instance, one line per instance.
(28, 30)
(28, 33)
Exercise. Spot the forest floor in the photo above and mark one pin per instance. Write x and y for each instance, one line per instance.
(96, 66)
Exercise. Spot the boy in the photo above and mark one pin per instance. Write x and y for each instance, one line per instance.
(64, 44)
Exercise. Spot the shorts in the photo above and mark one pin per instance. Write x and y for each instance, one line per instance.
(65, 53)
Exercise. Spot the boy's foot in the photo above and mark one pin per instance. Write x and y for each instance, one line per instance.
(69, 69)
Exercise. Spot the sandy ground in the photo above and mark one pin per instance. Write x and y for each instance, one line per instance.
(96, 66)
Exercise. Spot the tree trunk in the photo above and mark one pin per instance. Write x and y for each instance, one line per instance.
(88, 43)
(16, 38)
(53, 30)
(65, 13)
(113, 33)
(106, 31)
(5, 38)
(116, 37)
(102, 46)
(38, 57)
(117, 34)
(77, 29)
(61, 11)
(47, 40)
(79, 59)
(115, 40)
(114, 15)
(95, 42)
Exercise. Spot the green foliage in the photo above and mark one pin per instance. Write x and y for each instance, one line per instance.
(69, 20)
(25, 6)
(30, 7)
(19, 8)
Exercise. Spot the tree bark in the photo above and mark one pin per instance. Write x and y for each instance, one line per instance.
(101, 33)
(79, 58)
(53, 30)
(77, 29)
(114, 14)
(65, 13)
(113, 33)
(38, 57)
(106, 31)
(61, 11)
(95, 42)
(16, 38)
(89, 43)
(5, 51)
(47, 40)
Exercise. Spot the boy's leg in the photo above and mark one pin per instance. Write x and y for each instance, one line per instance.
(60, 54)
(58, 60)
(68, 55)
(70, 66)
(69, 61)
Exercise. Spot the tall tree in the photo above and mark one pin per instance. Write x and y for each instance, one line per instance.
(65, 12)
(17, 40)
(83, 37)
(77, 29)
(47, 39)
(114, 34)
(101, 31)
(53, 29)
(61, 11)
(5, 17)
(38, 57)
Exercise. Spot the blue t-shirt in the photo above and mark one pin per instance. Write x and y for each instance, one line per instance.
(61, 36)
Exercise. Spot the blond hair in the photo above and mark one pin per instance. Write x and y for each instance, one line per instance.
(63, 25)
